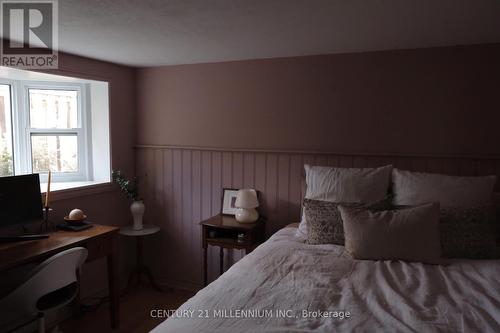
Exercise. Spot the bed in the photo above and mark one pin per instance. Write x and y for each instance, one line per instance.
(286, 285)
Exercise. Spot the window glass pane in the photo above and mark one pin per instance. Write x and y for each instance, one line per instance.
(53, 108)
(59, 153)
(6, 161)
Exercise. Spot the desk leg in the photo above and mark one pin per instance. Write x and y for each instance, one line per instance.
(221, 260)
(113, 284)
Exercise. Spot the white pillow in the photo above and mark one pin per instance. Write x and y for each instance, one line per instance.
(416, 188)
(345, 185)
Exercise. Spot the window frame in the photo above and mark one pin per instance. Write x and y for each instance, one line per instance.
(9, 83)
(23, 132)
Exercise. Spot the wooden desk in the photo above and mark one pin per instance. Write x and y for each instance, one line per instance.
(100, 241)
(226, 230)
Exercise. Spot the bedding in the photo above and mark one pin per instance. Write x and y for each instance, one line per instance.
(324, 223)
(319, 288)
(345, 185)
(469, 232)
(467, 224)
(415, 188)
(410, 234)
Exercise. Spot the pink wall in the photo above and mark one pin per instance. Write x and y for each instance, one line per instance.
(441, 103)
(433, 101)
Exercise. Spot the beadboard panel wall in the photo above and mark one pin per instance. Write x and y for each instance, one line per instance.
(183, 186)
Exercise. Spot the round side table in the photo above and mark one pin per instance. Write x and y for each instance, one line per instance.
(148, 229)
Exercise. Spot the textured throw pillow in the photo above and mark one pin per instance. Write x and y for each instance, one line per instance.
(345, 185)
(469, 233)
(410, 234)
(324, 223)
(415, 188)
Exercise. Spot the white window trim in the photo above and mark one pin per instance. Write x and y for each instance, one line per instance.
(22, 132)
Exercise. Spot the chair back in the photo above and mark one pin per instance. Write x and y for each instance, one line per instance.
(54, 273)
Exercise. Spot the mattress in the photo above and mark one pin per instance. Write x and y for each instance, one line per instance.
(286, 285)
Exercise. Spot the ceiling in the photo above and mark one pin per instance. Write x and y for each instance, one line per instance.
(166, 32)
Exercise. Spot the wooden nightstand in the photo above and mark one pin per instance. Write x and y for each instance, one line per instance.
(223, 230)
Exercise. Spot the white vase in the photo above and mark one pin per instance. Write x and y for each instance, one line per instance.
(137, 208)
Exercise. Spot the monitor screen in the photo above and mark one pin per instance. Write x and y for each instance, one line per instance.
(20, 200)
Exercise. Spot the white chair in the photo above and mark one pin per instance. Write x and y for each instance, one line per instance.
(51, 285)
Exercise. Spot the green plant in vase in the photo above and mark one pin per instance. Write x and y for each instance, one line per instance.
(131, 188)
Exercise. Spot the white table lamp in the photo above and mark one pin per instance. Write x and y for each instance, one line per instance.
(246, 202)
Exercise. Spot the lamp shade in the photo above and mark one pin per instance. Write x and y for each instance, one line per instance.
(246, 198)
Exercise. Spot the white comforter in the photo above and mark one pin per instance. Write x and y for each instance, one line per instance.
(381, 296)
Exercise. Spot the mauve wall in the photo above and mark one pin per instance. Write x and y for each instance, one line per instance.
(432, 101)
(439, 102)
(104, 205)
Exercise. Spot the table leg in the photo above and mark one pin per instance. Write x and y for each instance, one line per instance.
(131, 276)
(140, 261)
(205, 269)
(140, 269)
(221, 260)
(112, 260)
(152, 281)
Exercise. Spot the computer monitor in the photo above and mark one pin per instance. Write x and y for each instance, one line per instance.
(20, 200)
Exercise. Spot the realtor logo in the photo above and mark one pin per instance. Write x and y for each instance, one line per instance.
(29, 34)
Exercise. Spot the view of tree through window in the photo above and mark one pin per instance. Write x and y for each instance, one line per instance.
(55, 152)
(6, 161)
(54, 109)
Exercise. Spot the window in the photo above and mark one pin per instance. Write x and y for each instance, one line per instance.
(50, 124)
(46, 121)
(6, 161)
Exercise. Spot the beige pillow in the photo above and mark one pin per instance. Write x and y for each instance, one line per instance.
(416, 188)
(410, 234)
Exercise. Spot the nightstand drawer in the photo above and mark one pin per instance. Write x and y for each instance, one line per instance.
(99, 247)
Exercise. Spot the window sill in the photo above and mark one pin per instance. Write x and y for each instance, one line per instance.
(68, 190)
